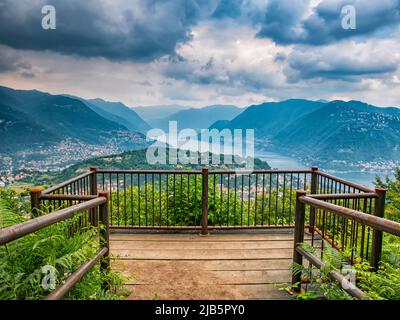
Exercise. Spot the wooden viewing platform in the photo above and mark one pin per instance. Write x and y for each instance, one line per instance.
(224, 265)
(253, 225)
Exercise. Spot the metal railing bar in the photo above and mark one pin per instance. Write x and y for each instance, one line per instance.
(65, 183)
(24, 228)
(376, 223)
(345, 182)
(341, 196)
(74, 278)
(65, 197)
(350, 288)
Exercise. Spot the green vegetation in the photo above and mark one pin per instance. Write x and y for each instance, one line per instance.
(131, 160)
(62, 246)
(381, 285)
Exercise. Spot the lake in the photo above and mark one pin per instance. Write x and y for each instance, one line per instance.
(279, 161)
(283, 162)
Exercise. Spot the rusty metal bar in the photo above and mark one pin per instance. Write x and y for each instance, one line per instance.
(67, 197)
(300, 214)
(314, 187)
(375, 222)
(66, 183)
(377, 235)
(150, 171)
(343, 196)
(204, 200)
(104, 231)
(35, 202)
(63, 289)
(347, 183)
(350, 288)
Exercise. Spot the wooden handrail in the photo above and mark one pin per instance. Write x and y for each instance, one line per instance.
(374, 222)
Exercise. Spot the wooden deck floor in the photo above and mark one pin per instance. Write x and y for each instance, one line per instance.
(223, 265)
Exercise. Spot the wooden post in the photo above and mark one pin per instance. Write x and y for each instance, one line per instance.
(93, 191)
(314, 190)
(35, 202)
(104, 232)
(377, 235)
(298, 235)
(204, 200)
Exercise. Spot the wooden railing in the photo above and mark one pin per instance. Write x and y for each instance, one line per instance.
(201, 199)
(97, 205)
(357, 233)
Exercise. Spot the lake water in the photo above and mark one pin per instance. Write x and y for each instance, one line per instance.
(279, 161)
(282, 162)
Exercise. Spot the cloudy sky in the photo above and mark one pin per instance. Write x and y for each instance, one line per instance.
(201, 52)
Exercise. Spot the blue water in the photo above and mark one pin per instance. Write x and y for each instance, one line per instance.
(279, 161)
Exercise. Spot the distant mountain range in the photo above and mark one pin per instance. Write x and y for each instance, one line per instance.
(36, 126)
(34, 122)
(154, 114)
(197, 118)
(119, 113)
(336, 134)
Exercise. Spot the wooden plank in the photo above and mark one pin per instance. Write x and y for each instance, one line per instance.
(201, 254)
(206, 292)
(166, 245)
(221, 266)
(150, 277)
(197, 238)
(134, 266)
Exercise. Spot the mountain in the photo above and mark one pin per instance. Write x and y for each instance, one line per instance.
(200, 118)
(153, 114)
(336, 135)
(45, 131)
(345, 132)
(62, 116)
(21, 132)
(119, 113)
(269, 118)
(219, 124)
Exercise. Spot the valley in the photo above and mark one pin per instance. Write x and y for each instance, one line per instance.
(50, 133)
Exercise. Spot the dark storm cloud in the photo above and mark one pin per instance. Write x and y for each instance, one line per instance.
(228, 8)
(329, 64)
(285, 23)
(11, 61)
(117, 30)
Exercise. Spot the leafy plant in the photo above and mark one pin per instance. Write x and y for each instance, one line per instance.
(61, 246)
